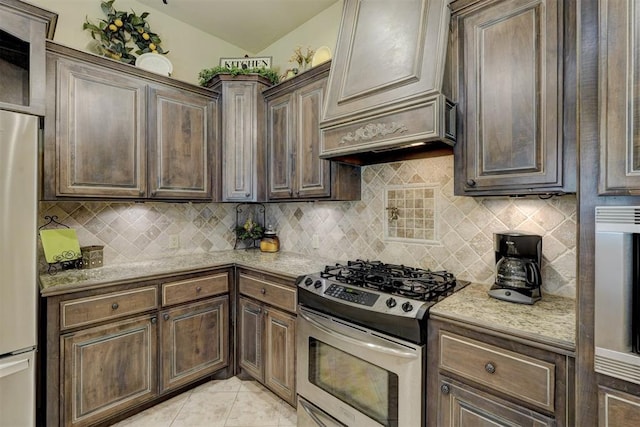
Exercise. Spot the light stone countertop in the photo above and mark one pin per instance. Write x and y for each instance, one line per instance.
(281, 263)
(550, 321)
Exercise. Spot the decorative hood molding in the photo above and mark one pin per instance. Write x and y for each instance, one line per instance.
(384, 96)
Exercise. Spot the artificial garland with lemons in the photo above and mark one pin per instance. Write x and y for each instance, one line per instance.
(119, 30)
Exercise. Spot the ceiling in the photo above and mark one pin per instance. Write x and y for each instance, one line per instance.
(250, 24)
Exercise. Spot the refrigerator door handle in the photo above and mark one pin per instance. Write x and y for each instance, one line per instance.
(12, 367)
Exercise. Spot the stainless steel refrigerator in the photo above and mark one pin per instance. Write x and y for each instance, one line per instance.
(18, 278)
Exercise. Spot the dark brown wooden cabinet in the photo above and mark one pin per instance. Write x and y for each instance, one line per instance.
(116, 131)
(474, 378)
(266, 331)
(107, 369)
(294, 169)
(23, 30)
(184, 151)
(194, 341)
(243, 111)
(617, 408)
(618, 85)
(514, 96)
(108, 351)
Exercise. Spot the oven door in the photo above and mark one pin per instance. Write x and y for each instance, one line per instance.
(358, 376)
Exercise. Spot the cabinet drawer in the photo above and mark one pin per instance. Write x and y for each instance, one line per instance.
(271, 293)
(525, 378)
(194, 288)
(97, 308)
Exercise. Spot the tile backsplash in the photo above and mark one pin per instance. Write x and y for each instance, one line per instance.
(462, 227)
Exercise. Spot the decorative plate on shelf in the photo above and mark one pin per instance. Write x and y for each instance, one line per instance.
(323, 54)
(155, 62)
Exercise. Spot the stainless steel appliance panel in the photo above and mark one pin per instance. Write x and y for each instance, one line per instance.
(18, 211)
(18, 281)
(359, 376)
(615, 230)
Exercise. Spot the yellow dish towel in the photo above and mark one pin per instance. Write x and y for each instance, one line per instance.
(60, 244)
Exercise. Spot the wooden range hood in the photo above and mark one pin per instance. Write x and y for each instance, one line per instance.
(384, 98)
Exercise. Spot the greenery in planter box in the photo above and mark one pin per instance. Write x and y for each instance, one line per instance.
(207, 74)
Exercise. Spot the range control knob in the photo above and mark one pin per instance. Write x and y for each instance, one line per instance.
(391, 302)
(318, 284)
(407, 307)
(308, 281)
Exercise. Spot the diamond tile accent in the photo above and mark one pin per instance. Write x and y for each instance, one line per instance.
(463, 227)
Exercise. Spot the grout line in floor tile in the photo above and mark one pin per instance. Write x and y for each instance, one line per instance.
(184, 402)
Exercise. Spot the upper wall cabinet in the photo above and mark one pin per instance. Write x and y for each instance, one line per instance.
(619, 88)
(243, 136)
(115, 131)
(23, 30)
(516, 96)
(384, 90)
(294, 170)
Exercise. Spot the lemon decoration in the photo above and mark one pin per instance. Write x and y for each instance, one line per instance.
(122, 32)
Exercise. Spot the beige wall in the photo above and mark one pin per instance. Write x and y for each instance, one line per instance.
(190, 50)
(321, 30)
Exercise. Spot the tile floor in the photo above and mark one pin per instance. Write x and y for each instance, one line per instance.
(222, 403)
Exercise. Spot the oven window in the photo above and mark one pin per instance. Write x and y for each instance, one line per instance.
(366, 387)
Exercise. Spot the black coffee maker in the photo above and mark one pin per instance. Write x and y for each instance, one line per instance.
(518, 264)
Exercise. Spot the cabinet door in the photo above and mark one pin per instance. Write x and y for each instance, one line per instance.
(619, 89)
(194, 341)
(312, 172)
(242, 139)
(23, 29)
(617, 409)
(108, 369)
(510, 97)
(280, 341)
(463, 406)
(280, 151)
(100, 132)
(180, 139)
(250, 338)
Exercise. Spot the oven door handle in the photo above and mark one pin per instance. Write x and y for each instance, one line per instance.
(364, 344)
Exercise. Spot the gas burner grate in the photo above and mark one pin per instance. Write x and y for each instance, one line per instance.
(411, 282)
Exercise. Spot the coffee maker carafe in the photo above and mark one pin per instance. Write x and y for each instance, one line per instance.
(518, 261)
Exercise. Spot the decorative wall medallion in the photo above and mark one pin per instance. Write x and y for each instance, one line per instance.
(373, 130)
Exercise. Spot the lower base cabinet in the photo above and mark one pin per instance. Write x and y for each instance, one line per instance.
(109, 368)
(478, 379)
(617, 408)
(464, 406)
(266, 334)
(114, 351)
(193, 341)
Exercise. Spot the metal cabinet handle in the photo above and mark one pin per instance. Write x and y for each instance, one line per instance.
(490, 368)
(263, 291)
(444, 388)
(471, 182)
(247, 194)
(114, 306)
(153, 193)
(154, 320)
(166, 316)
(198, 288)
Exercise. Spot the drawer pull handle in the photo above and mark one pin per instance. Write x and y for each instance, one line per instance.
(114, 306)
(444, 388)
(490, 368)
(263, 291)
(198, 288)
(166, 316)
(471, 182)
(154, 320)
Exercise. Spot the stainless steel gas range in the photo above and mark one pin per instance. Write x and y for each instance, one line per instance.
(361, 342)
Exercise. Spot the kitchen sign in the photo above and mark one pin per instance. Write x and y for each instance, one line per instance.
(246, 62)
